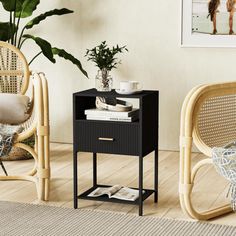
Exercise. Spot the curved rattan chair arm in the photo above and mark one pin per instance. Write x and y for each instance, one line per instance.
(188, 134)
(30, 126)
(37, 110)
(27, 133)
(182, 139)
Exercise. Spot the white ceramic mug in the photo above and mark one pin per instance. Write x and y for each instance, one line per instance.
(129, 86)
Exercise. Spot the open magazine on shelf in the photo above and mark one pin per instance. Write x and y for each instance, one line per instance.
(116, 191)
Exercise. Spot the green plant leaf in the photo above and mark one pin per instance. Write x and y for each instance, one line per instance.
(23, 8)
(42, 17)
(6, 31)
(44, 45)
(10, 5)
(26, 8)
(62, 53)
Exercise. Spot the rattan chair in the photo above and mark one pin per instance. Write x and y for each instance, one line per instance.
(15, 78)
(208, 119)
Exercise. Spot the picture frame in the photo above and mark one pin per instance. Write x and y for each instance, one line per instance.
(191, 36)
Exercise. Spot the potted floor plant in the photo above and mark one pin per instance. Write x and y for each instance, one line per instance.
(17, 34)
(104, 58)
(12, 31)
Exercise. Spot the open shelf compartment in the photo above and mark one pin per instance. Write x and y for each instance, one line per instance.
(105, 198)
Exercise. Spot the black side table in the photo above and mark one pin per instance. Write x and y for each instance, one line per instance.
(137, 138)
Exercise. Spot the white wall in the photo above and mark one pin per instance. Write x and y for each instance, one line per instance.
(151, 31)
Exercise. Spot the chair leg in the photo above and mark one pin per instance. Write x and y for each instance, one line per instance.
(47, 167)
(4, 169)
(41, 189)
(47, 189)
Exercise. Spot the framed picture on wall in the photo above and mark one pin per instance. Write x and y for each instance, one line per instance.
(208, 23)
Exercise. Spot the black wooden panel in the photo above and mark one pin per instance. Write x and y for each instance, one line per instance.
(125, 135)
(113, 93)
(149, 122)
(81, 104)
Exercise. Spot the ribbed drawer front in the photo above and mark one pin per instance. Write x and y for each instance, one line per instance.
(107, 137)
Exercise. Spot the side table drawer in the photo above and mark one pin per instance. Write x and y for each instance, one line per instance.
(107, 137)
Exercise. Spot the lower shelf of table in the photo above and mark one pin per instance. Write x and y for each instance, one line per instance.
(105, 198)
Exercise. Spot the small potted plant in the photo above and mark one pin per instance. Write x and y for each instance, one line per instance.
(104, 58)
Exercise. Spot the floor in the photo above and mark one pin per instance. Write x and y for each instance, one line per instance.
(210, 189)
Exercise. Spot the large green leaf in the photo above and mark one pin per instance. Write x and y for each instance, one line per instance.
(6, 31)
(23, 8)
(41, 17)
(62, 53)
(44, 45)
(10, 5)
(26, 8)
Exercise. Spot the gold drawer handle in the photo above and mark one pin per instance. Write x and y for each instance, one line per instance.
(106, 139)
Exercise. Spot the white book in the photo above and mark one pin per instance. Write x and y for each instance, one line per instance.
(116, 191)
(97, 112)
(124, 119)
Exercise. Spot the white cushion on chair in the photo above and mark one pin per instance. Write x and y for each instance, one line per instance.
(13, 108)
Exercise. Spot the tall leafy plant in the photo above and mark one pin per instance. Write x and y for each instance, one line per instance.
(13, 33)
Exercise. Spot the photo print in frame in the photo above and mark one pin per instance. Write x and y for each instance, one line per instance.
(208, 23)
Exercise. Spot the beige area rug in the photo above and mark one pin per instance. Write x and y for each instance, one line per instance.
(25, 219)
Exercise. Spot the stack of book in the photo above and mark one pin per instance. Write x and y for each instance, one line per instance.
(126, 116)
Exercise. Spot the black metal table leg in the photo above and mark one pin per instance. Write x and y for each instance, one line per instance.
(75, 180)
(156, 156)
(140, 186)
(156, 175)
(4, 169)
(94, 169)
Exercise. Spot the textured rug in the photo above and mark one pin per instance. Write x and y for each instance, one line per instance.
(25, 219)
